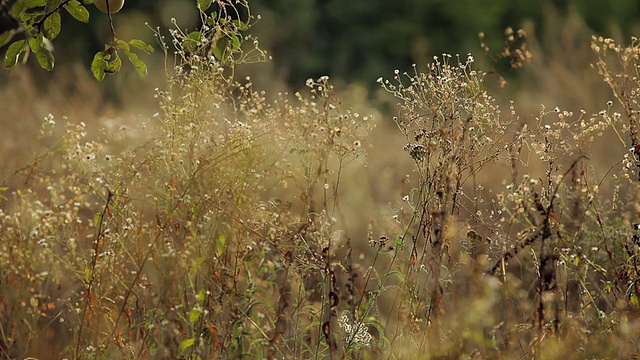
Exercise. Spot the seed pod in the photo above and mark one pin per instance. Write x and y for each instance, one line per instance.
(114, 5)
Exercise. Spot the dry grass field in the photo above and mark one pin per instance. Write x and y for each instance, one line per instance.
(440, 216)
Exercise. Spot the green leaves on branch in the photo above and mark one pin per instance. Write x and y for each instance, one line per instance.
(192, 41)
(41, 22)
(19, 51)
(105, 62)
(225, 46)
(39, 45)
(108, 61)
(218, 44)
(42, 52)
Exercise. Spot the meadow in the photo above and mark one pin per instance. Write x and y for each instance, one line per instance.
(435, 218)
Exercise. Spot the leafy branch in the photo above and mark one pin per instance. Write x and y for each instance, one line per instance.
(40, 22)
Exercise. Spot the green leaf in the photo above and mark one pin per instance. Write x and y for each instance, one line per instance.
(52, 5)
(211, 19)
(30, 4)
(52, 25)
(242, 26)
(194, 315)
(113, 65)
(96, 219)
(196, 265)
(2, 189)
(235, 41)
(141, 45)
(222, 240)
(6, 36)
(88, 274)
(79, 12)
(191, 42)
(220, 49)
(13, 53)
(17, 9)
(255, 345)
(123, 45)
(141, 68)
(26, 19)
(201, 294)
(45, 57)
(98, 66)
(204, 4)
(237, 329)
(185, 344)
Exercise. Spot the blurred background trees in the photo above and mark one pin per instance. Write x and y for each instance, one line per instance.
(357, 40)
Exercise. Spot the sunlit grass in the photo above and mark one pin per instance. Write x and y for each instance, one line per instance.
(230, 225)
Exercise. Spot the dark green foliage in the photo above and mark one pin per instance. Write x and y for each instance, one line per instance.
(361, 39)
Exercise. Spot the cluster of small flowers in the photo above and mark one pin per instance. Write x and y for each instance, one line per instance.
(514, 48)
(326, 123)
(517, 194)
(600, 45)
(47, 125)
(453, 90)
(357, 334)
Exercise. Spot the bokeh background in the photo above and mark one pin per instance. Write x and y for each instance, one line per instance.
(360, 40)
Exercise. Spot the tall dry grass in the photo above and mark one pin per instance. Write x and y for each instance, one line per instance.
(231, 225)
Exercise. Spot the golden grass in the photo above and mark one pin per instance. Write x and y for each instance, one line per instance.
(228, 225)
